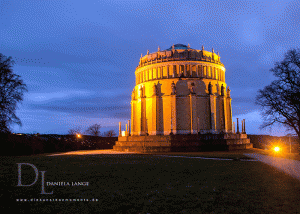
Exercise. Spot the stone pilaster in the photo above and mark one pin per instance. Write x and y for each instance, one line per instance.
(212, 113)
(132, 118)
(173, 114)
(154, 115)
(223, 113)
(229, 114)
(193, 112)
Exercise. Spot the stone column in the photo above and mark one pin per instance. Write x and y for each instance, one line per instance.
(233, 127)
(151, 70)
(242, 126)
(156, 72)
(229, 113)
(120, 131)
(174, 66)
(148, 74)
(128, 127)
(126, 132)
(197, 72)
(167, 67)
(184, 71)
(237, 126)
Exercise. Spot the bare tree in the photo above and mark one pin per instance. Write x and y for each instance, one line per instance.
(280, 101)
(74, 131)
(94, 130)
(12, 89)
(110, 133)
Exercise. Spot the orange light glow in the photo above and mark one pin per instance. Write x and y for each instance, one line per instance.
(79, 136)
(276, 149)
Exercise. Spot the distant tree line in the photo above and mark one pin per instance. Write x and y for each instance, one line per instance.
(93, 130)
(29, 144)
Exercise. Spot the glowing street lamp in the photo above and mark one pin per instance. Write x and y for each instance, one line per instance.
(78, 135)
(276, 149)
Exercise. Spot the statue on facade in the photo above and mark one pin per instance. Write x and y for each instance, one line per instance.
(188, 46)
(228, 92)
(141, 92)
(173, 88)
(222, 90)
(147, 52)
(192, 88)
(158, 49)
(154, 89)
(133, 95)
(209, 88)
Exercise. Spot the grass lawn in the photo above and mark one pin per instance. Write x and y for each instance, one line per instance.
(132, 183)
(217, 154)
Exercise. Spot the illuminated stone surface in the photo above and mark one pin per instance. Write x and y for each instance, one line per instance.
(179, 91)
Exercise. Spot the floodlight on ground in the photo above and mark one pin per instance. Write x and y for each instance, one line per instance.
(276, 149)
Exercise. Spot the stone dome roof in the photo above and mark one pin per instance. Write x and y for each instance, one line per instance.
(178, 46)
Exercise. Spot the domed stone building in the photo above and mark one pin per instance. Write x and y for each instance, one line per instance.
(180, 102)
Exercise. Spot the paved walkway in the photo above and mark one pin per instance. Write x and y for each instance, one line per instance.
(92, 152)
(289, 166)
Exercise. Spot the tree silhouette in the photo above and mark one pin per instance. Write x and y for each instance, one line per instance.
(74, 131)
(12, 89)
(280, 101)
(110, 133)
(94, 130)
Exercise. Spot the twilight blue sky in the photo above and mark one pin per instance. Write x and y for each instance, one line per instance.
(78, 57)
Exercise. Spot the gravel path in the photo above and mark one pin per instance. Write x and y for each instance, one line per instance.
(289, 166)
(92, 152)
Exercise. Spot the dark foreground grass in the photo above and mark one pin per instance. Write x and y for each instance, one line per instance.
(149, 184)
(217, 154)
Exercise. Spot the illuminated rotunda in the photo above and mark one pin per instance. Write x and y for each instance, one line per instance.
(179, 91)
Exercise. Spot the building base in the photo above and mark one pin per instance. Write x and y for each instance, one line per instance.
(183, 143)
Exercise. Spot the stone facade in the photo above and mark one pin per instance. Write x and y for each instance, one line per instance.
(180, 91)
(180, 102)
